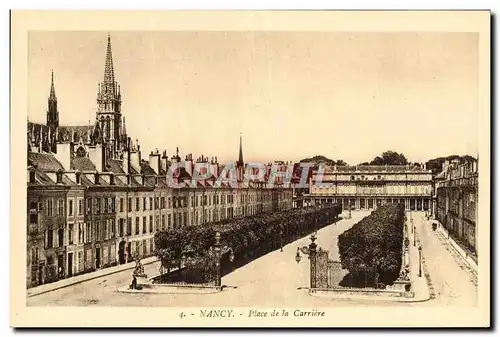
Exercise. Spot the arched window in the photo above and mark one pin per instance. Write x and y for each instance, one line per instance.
(108, 127)
(80, 152)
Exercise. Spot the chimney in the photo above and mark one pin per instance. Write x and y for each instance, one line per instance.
(154, 161)
(96, 156)
(135, 160)
(164, 161)
(63, 154)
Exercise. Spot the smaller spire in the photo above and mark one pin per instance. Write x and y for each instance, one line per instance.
(240, 156)
(52, 96)
(124, 129)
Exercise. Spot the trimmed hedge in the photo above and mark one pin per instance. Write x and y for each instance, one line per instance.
(249, 237)
(372, 249)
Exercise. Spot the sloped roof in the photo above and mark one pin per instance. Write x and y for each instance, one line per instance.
(82, 164)
(42, 179)
(67, 181)
(44, 161)
(146, 169)
(115, 166)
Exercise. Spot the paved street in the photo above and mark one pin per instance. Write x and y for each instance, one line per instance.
(454, 284)
(272, 280)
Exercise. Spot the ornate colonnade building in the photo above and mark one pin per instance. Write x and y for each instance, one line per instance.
(367, 187)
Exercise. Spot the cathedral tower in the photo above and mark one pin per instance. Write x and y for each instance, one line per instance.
(109, 105)
(52, 113)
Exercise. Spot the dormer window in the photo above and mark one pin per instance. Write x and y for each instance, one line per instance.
(32, 177)
(59, 177)
(111, 179)
(77, 178)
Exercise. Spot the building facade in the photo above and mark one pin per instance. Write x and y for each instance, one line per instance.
(94, 202)
(367, 187)
(456, 201)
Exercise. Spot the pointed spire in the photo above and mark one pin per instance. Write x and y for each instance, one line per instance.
(240, 156)
(124, 129)
(109, 73)
(52, 96)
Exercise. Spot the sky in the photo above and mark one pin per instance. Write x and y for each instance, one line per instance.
(291, 95)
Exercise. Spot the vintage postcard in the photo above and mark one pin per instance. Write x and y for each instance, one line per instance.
(250, 169)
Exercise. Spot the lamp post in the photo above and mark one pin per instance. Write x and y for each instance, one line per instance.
(419, 261)
(281, 240)
(219, 251)
(311, 251)
(414, 235)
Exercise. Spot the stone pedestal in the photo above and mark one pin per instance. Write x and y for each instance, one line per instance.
(402, 285)
(142, 280)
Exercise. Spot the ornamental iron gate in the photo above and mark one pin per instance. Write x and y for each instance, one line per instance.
(327, 271)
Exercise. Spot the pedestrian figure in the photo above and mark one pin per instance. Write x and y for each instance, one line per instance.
(133, 285)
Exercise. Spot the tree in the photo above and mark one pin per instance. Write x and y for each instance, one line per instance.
(436, 164)
(319, 159)
(372, 249)
(390, 158)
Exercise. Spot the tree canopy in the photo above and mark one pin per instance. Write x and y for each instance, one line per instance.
(436, 164)
(388, 158)
(319, 159)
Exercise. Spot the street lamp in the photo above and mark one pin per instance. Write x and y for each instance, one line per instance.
(311, 251)
(281, 240)
(420, 261)
(414, 235)
(219, 251)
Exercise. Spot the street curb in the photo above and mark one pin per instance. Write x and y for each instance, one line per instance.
(473, 267)
(85, 280)
(371, 298)
(166, 290)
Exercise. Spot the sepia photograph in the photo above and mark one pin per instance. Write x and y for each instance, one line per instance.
(251, 169)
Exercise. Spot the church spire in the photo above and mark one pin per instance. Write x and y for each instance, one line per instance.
(52, 95)
(240, 156)
(52, 113)
(109, 103)
(109, 72)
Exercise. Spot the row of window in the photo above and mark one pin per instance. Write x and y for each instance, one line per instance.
(95, 231)
(107, 204)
